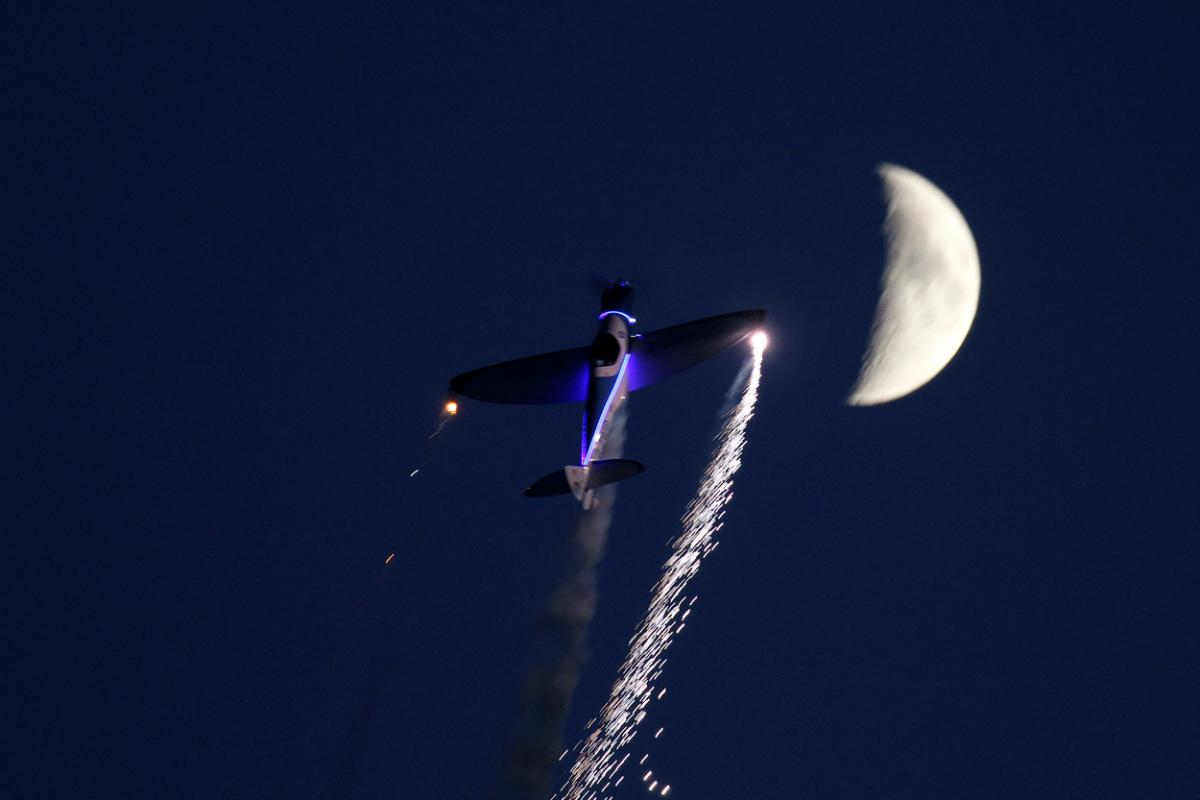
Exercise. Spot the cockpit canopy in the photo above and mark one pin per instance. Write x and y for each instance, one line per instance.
(605, 350)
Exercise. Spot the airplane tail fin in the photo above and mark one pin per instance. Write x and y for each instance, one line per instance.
(580, 480)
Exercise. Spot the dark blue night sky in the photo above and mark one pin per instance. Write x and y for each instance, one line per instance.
(248, 247)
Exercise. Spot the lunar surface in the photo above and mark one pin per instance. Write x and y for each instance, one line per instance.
(930, 290)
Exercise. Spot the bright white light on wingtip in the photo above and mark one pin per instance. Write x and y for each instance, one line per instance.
(759, 341)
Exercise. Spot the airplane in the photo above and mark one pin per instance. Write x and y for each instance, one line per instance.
(601, 376)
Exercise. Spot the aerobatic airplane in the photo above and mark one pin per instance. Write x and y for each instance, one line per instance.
(601, 376)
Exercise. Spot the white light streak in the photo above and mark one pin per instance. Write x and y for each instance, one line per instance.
(633, 690)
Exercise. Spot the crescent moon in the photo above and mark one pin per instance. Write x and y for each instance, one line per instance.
(930, 290)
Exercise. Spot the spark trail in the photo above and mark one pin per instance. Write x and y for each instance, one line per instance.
(449, 412)
(603, 753)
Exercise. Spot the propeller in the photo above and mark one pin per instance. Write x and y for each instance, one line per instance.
(646, 295)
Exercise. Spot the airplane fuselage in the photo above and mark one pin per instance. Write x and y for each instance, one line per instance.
(608, 388)
(607, 383)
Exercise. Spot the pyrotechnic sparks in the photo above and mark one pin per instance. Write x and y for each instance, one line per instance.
(600, 758)
(449, 412)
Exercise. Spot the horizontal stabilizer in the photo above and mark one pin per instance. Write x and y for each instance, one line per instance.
(552, 484)
(602, 473)
(577, 479)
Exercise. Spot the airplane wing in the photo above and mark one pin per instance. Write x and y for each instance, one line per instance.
(660, 354)
(559, 377)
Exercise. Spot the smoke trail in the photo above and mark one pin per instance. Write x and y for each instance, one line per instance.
(602, 754)
(549, 687)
